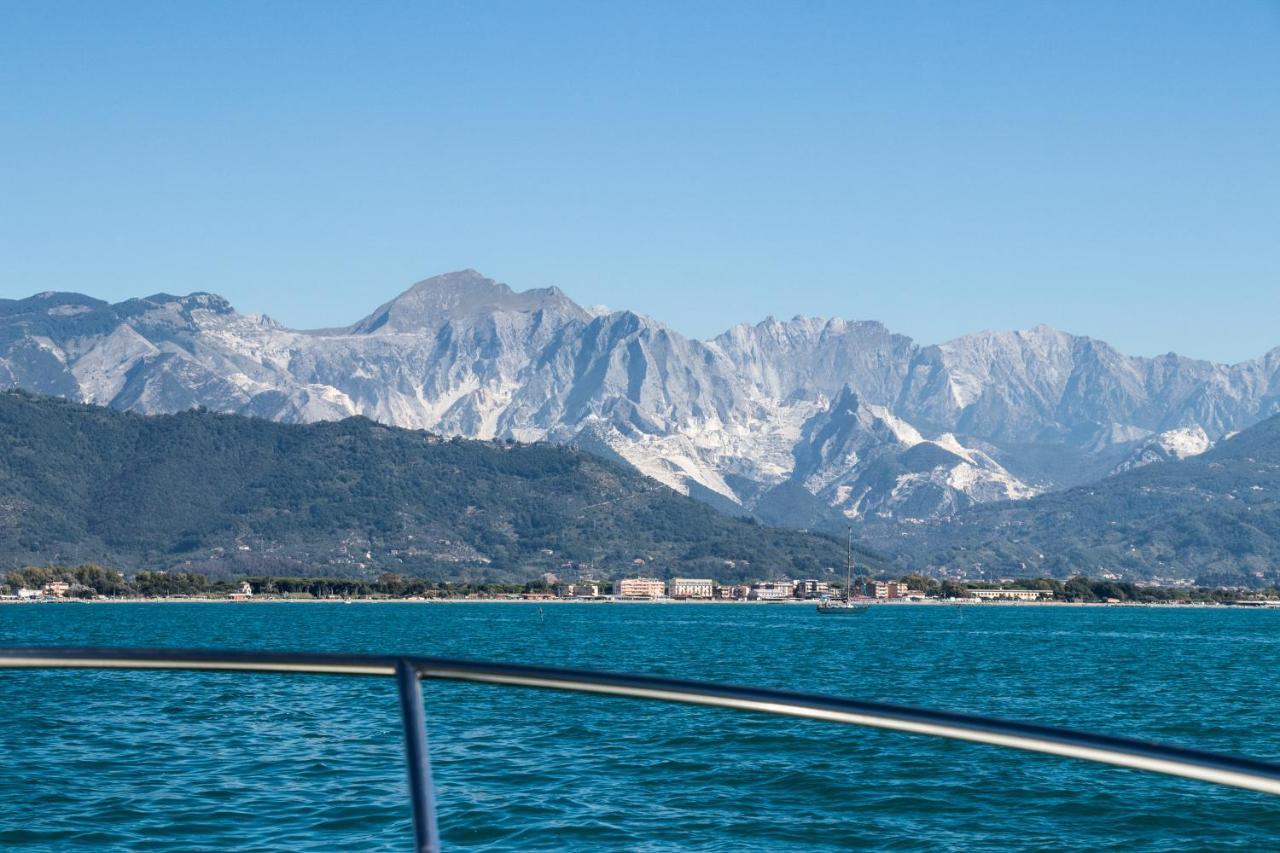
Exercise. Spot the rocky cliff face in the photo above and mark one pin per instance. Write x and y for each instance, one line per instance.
(1168, 446)
(841, 416)
(864, 461)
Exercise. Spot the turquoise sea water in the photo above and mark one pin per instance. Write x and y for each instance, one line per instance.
(182, 761)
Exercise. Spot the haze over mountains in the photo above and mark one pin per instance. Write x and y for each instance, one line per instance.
(807, 421)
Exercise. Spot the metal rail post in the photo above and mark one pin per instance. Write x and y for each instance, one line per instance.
(426, 839)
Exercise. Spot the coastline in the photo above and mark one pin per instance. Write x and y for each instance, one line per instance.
(661, 602)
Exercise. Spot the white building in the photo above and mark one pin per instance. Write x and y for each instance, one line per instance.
(812, 589)
(895, 589)
(772, 591)
(639, 588)
(1011, 594)
(690, 587)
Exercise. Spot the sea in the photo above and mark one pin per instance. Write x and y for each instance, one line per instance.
(212, 761)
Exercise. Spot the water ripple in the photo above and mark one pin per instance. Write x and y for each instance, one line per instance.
(181, 761)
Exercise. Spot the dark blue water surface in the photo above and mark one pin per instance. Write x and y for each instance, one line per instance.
(181, 761)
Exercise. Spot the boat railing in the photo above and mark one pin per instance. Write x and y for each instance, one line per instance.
(409, 671)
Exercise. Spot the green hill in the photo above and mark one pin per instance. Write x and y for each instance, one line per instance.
(227, 495)
(1214, 518)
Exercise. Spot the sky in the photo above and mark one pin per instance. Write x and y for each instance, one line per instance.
(1112, 169)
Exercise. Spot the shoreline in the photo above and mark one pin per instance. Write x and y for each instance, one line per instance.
(650, 602)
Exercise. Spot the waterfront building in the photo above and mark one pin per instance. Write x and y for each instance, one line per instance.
(58, 588)
(894, 589)
(640, 588)
(812, 589)
(772, 591)
(1011, 594)
(690, 587)
(581, 590)
(733, 592)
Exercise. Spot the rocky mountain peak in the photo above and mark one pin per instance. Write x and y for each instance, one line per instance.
(862, 460)
(464, 296)
(199, 301)
(50, 303)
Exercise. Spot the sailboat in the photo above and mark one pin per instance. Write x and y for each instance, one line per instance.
(846, 607)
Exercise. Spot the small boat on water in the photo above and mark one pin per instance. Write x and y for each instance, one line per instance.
(841, 607)
(846, 606)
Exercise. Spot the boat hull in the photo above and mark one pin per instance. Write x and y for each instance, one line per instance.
(842, 610)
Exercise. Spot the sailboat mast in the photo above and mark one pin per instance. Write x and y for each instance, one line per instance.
(848, 582)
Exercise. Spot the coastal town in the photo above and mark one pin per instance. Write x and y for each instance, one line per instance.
(96, 583)
(624, 589)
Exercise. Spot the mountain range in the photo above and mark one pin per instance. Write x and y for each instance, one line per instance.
(805, 422)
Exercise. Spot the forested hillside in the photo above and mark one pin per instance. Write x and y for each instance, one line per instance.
(226, 495)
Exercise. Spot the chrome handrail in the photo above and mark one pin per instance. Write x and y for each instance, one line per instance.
(1249, 773)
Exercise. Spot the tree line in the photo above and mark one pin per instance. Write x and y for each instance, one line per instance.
(90, 580)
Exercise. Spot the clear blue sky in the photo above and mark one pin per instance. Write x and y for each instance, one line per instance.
(1110, 168)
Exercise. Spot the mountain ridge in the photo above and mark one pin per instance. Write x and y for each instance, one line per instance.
(724, 418)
